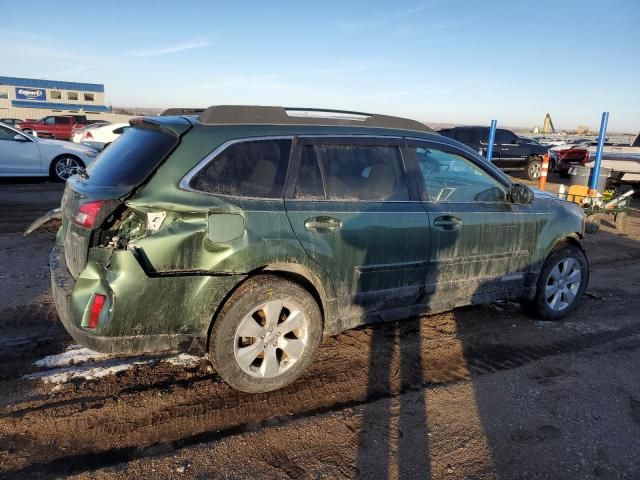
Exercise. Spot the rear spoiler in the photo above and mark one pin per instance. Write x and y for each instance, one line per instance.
(172, 125)
(182, 111)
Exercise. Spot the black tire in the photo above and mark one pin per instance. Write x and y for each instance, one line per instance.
(534, 167)
(539, 306)
(246, 299)
(54, 170)
(620, 220)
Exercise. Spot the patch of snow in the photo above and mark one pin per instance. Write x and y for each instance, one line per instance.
(64, 375)
(79, 362)
(75, 355)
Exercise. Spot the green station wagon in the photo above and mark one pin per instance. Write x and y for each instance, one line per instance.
(249, 233)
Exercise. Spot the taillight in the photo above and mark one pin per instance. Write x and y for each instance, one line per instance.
(585, 159)
(86, 216)
(96, 310)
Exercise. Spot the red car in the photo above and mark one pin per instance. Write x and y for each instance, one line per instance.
(570, 157)
(57, 127)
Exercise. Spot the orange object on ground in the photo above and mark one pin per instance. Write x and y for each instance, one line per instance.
(577, 194)
(542, 181)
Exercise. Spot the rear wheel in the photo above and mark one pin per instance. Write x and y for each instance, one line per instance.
(534, 168)
(266, 334)
(64, 167)
(620, 220)
(562, 282)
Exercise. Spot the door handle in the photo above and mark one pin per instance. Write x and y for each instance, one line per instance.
(322, 224)
(448, 222)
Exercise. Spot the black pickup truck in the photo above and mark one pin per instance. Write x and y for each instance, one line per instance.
(510, 152)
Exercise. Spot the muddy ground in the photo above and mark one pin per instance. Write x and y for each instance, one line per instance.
(481, 392)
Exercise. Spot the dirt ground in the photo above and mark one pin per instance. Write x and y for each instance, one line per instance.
(480, 392)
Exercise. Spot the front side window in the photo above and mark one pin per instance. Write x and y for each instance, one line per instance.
(50, 120)
(448, 177)
(247, 169)
(505, 137)
(6, 133)
(351, 172)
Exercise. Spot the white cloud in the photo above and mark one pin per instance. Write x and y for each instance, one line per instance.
(180, 47)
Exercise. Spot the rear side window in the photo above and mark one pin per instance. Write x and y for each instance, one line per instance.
(247, 169)
(465, 135)
(62, 120)
(131, 159)
(352, 172)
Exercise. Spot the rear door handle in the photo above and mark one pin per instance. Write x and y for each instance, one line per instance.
(448, 222)
(322, 224)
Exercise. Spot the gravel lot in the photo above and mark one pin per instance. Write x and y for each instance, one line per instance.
(481, 392)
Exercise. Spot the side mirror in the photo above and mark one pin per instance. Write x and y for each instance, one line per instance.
(521, 194)
(20, 138)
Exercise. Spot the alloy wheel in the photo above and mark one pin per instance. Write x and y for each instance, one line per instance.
(563, 284)
(66, 167)
(271, 339)
(535, 168)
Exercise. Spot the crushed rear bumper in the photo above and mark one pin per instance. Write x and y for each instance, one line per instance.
(62, 285)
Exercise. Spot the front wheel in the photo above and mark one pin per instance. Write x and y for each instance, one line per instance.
(266, 334)
(562, 282)
(534, 168)
(64, 167)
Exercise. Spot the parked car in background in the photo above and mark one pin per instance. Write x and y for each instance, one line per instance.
(56, 127)
(253, 232)
(510, 152)
(22, 155)
(11, 121)
(101, 137)
(79, 130)
(623, 160)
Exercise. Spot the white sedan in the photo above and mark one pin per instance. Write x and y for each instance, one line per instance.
(100, 137)
(22, 155)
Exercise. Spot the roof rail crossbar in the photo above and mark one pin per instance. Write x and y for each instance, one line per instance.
(261, 115)
(182, 111)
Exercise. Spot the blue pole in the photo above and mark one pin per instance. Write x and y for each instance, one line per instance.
(492, 136)
(595, 171)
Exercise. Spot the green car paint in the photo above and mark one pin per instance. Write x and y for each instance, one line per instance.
(165, 285)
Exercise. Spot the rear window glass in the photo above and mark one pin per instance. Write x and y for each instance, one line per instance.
(247, 169)
(129, 160)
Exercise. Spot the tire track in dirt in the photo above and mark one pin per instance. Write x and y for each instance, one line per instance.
(201, 419)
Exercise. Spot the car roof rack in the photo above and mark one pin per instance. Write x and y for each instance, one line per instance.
(182, 111)
(261, 115)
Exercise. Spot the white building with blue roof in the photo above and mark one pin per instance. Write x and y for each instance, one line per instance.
(32, 98)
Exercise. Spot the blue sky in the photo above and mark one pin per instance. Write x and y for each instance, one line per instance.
(439, 61)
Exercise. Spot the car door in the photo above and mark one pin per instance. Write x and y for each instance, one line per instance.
(351, 208)
(47, 128)
(62, 128)
(481, 244)
(18, 157)
(513, 153)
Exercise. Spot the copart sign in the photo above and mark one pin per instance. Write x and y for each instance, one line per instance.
(24, 93)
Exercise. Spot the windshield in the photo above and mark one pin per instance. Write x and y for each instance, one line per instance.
(130, 159)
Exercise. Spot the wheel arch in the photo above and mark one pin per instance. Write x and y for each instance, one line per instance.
(294, 272)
